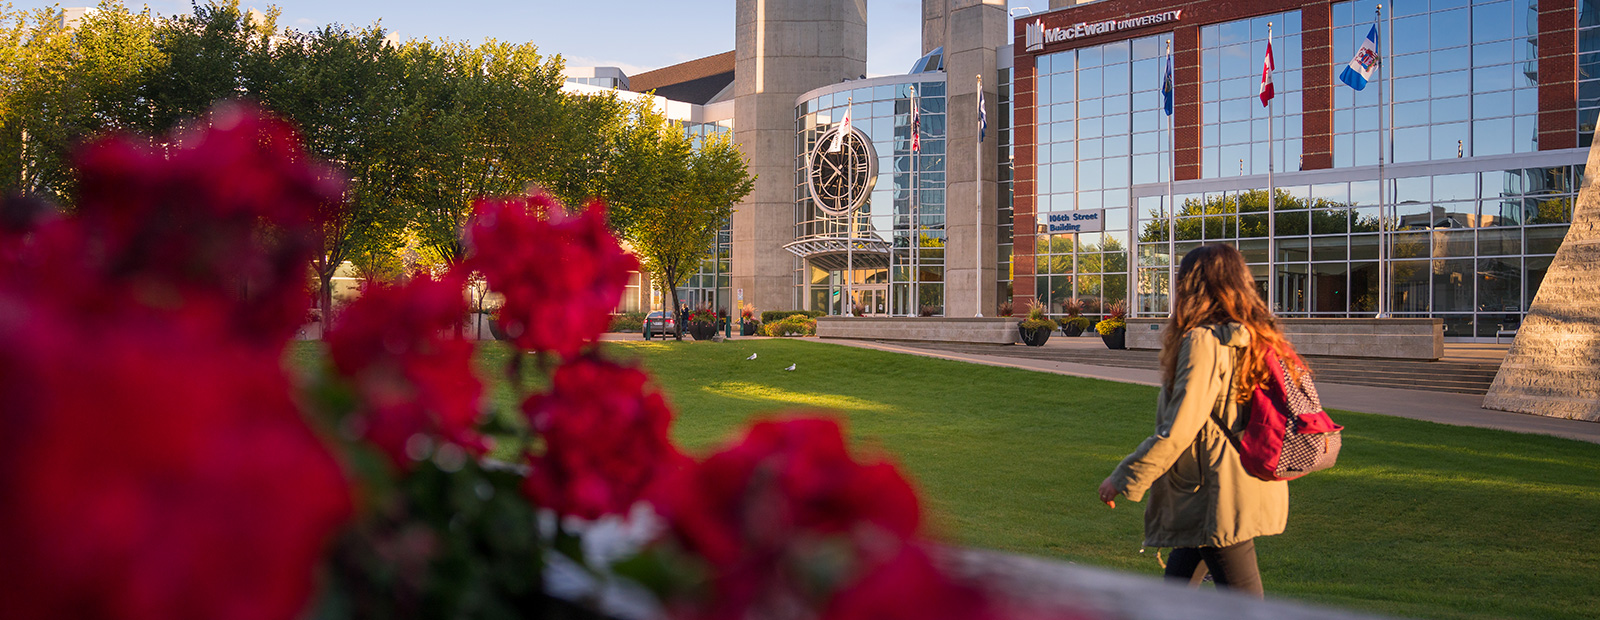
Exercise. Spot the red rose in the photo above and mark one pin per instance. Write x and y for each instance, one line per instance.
(409, 377)
(605, 439)
(561, 274)
(786, 516)
(154, 470)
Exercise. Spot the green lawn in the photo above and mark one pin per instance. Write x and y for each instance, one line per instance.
(1418, 519)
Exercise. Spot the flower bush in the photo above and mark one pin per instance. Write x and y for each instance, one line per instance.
(1117, 319)
(156, 460)
(794, 325)
(1036, 318)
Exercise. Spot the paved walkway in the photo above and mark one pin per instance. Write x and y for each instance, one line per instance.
(1444, 408)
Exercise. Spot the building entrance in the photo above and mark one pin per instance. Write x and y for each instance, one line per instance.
(875, 298)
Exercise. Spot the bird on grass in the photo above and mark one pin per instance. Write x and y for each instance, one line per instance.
(752, 356)
(791, 367)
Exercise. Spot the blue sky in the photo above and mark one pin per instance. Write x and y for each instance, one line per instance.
(637, 35)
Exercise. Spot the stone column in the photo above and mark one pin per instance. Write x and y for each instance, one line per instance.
(974, 30)
(782, 48)
(1553, 368)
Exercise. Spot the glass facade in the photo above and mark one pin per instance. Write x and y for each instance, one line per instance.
(1588, 69)
(907, 205)
(1474, 209)
(1465, 80)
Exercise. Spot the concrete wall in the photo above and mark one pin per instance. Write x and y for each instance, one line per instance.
(1412, 339)
(971, 31)
(1000, 330)
(782, 48)
(1553, 368)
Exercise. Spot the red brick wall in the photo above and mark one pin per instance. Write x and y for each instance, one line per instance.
(1558, 74)
(1186, 112)
(1024, 163)
(1316, 123)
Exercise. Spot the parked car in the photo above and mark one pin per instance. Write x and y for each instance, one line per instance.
(659, 324)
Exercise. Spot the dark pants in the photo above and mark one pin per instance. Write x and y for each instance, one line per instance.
(1233, 567)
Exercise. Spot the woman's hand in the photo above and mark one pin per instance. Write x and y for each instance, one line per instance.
(1108, 492)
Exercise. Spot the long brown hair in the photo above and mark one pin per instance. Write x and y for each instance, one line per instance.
(1215, 286)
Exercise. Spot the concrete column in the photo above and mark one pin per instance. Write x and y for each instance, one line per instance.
(974, 29)
(782, 48)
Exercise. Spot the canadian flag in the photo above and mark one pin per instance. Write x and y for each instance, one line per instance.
(1266, 76)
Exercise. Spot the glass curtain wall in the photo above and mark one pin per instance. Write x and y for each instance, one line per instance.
(1099, 131)
(1588, 69)
(1464, 81)
(1003, 202)
(1234, 136)
(906, 208)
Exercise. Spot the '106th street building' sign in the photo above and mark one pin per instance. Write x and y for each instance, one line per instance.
(1037, 36)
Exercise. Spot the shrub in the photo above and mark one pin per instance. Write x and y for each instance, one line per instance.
(796, 325)
(779, 315)
(1005, 309)
(627, 322)
(1036, 318)
(1082, 322)
(928, 310)
(1114, 321)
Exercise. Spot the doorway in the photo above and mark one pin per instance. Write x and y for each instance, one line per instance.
(874, 297)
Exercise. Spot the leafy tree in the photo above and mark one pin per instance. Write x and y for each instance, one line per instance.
(676, 198)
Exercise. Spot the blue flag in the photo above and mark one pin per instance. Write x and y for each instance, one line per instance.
(1166, 85)
(983, 115)
(1359, 71)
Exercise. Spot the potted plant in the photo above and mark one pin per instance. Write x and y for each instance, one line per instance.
(748, 325)
(858, 310)
(702, 323)
(1075, 323)
(1035, 330)
(1005, 308)
(1114, 329)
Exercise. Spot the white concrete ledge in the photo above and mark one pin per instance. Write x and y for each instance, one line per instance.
(1407, 339)
(999, 330)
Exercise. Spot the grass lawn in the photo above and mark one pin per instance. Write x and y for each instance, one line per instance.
(1418, 519)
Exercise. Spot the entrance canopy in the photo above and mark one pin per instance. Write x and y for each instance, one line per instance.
(831, 253)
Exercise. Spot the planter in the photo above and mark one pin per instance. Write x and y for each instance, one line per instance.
(1071, 330)
(1117, 339)
(702, 331)
(747, 328)
(1035, 337)
(497, 331)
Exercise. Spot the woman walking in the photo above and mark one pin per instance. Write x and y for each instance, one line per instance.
(1203, 504)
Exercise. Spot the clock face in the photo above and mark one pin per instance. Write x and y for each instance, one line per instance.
(841, 181)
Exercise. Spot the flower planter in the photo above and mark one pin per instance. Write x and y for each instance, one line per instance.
(1071, 330)
(1035, 337)
(702, 331)
(747, 328)
(497, 331)
(1117, 339)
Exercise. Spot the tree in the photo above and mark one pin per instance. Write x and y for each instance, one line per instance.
(674, 197)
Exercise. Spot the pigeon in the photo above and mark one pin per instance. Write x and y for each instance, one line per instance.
(752, 356)
(791, 367)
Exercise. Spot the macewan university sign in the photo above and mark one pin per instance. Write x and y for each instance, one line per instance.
(1037, 36)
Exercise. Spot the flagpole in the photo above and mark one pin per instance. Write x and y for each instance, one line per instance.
(977, 192)
(1272, 196)
(1383, 197)
(1172, 209)
(850, 212)
(915, 297)
(1392, 198)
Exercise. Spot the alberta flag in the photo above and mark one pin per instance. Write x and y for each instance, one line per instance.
(916, 123)
(983, 115)
(1166, 85)
(1365, 61)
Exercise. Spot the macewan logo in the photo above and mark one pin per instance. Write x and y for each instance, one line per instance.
(1035, 36)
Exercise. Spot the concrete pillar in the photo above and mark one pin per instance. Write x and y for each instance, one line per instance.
(782, 48)
(974, 29)
(1553, 368)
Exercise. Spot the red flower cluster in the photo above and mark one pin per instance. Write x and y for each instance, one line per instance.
(787, 495)
(561, 274)
(908, 586)
(410, 378)
(605, 440)
(152, 462)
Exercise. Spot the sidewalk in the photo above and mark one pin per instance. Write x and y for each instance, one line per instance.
(1444, 408)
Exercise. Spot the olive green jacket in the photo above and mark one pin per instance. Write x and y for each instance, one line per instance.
(1200, 493)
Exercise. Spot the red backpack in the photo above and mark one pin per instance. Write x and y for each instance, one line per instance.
(1289, 434)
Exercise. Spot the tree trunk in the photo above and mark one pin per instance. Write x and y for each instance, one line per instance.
(325, 299)
(672, 291)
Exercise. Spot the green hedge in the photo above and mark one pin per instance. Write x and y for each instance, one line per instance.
(795, 325)
(779, 315)
(627, 322)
